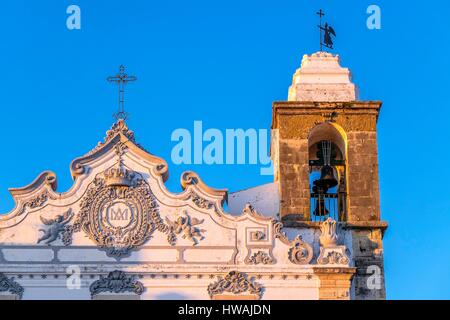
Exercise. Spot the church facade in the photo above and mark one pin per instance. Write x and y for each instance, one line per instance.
(118, 233)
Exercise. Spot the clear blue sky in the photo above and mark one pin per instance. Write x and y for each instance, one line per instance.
(225, 62)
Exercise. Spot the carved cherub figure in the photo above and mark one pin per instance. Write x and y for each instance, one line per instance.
(56, 226)
(187, 226)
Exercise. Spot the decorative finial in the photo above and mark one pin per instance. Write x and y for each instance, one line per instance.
(327, 30)
(121, 79)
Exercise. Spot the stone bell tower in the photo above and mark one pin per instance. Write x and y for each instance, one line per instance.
(324, 149)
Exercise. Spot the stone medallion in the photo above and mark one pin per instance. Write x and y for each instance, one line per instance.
(119, 212)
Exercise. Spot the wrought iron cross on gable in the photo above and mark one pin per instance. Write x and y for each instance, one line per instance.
(121, 79)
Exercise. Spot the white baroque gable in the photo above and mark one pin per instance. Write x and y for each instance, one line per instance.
(119, 215)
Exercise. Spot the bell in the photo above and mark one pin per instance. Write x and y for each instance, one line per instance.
(326, 180)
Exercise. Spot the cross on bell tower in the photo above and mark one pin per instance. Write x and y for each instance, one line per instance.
(121, 79)
(320, 13)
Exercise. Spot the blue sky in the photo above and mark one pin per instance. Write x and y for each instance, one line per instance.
(225, 62)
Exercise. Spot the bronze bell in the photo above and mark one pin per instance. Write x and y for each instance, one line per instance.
(321, 186)
(326, 180)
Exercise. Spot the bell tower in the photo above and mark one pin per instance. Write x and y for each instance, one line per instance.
(324, 149)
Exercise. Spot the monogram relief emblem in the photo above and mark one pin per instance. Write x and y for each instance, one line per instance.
(119, 212)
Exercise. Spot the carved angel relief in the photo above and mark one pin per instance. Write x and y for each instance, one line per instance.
(187, 227)
(56, 227)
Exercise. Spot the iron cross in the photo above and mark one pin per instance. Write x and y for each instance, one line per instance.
(320, 14)
(121, 79)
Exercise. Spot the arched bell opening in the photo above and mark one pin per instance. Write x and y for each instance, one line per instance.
(327, 178)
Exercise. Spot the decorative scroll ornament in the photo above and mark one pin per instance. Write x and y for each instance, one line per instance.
(187, 227)
(235, 282)
(119, 212)
(260, 257)
(56, 227)
(278, 232)
(11, 286)
(300, 252)
(197, 189)
(116, 282)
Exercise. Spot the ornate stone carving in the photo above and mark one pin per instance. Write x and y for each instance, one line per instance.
(37, 202)
(11, 286)
(257, 235)
(190, 180)
(330, 252)
(66, 235)
(260, 257)
(187, 227)
(119, 127)
(116, 282)
(119, 176)
(200, 202)
(278, 232)
(328, 236)
(119, 212)
(335, 256)
(235, 282)
(300, 252)
(56, 227)
(120, 149)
